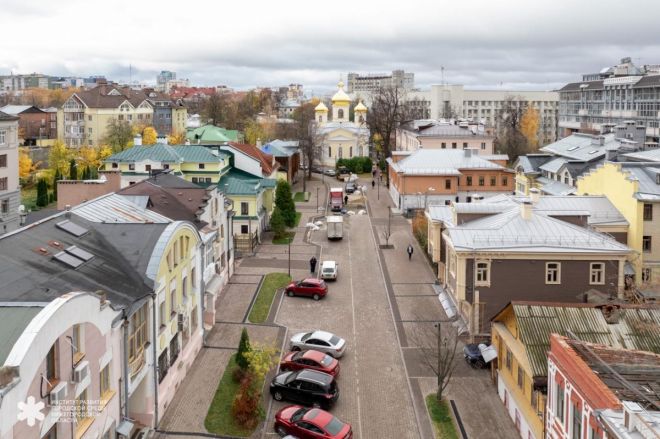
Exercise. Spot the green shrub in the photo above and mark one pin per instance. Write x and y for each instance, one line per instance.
(243, 347)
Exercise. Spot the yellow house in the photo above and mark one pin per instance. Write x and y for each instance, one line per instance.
(634, 188)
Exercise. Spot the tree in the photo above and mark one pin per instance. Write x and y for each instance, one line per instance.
(529, 126)
(149, 136)
(510, 139)
(88, 157)
(261, 360)
(213, 110)
(177, 138)
(388, 110)
(437, 345)
(118, 134)
(105, 151)
(243, 348)
(254, 131)
(277, 224)
(58, 158)
(25, 165)
(42, 192)
(73, 170)
(56, 178)
(284, 202)
(310, 138)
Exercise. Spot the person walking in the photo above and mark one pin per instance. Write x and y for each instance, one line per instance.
(345, 200)
(312, 264)
(410, 251)
(373, 184)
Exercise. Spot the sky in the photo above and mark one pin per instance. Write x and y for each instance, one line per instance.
(506, 44)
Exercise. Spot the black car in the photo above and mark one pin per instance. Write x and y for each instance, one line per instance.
(308, 387)
(350, 187)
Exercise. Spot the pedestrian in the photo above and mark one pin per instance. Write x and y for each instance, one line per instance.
(373, 184)
(312, 264)
(410, 251)
(345, 200)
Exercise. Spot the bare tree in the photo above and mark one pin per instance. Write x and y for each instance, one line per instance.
(510, 139)
(213, 110)
(437, 346)
(308, 134)
(388, 110)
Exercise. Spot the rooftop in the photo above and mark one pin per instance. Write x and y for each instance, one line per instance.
(582, 147)
(14, 318)
(441, 162)
(434, 128)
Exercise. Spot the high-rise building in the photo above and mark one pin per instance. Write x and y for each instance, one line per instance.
(10, 191)
(163, 77)
(371, 82)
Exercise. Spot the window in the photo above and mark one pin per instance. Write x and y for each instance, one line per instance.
(482, 180)
(166, 166)
(115, 165)
(184, 288)
(3, 137)
(576, 428)
(444, 145)
(137, 337)
(104, 379)
(465, 145)
(51, 364)
(147, 168)
(493, 181)
(81, 408)
(340, 113)
(508, 359)
(161, 314)
(483, 273)
(646, 274)
(552, 273)
(329, 151)
(505, 181)
(163, 365)
(483, 145)
(469, 180)
(4, 207)
(244, 208)
(89, 131)
(646, 243)
(4, 183)
(131, 166)
(521, 377)
(648, 212)
(174, 349)
(244, 229)
(448, 184)
(559, 408)
(597, 273)
(534, 397)
(173, 304)
(453, 145)
(3, 161)
(350, 152)
(78, 344)
(201, 166)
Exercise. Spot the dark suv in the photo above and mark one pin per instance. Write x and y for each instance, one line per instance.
(308, 387)
(350, 187)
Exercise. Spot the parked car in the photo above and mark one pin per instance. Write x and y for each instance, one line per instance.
(473, 355)
(310, 424)
(331, 172)
(329, 270)
(350, 187)
(320, 341)
(310, 359)
(308, 387)
(311, 287)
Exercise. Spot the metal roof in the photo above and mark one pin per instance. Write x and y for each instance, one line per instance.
(114, 208)
(441, 213)
(168, 154)
(13, 321)
(553, 165)
(652, 155)
(441, 162)
(632, 327)
(582, 147)
(646, 176)
(554, 187)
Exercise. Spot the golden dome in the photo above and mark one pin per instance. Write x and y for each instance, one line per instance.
(341, 97)
(321, 107)
(360, 107)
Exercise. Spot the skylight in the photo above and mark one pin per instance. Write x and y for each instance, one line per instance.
(71, 228)
(68, 260)
(573, 148)
(593, 152)
(79, 253)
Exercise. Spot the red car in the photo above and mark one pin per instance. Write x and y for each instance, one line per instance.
(310, 360)
(312, 287)
(307, 423)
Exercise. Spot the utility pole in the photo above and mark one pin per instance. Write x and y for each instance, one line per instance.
(289, 242)
(317, 198)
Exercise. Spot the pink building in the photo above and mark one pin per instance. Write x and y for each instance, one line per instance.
(432, 134)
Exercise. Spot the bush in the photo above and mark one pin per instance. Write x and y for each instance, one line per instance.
(42, 193)
(245, 407)
(277, 224)
(238, 374)
(243, 347)
(356, 165)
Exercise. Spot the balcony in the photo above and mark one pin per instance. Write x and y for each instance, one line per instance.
(137, 363)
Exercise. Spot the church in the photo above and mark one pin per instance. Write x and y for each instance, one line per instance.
(340, 136)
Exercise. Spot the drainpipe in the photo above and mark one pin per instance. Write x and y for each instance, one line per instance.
(202, 293)
(155, 352)
(125, 327)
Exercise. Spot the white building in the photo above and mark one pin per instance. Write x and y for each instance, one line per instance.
(10, 191)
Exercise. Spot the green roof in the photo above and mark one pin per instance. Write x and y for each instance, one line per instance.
(168, 154)
(212, 134)
(236, 182)
(13, 321)
(268, 182)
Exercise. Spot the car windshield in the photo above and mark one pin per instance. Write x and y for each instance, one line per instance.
(306, 336)
(334, 426)
(328, 270)
(291, 377)
(327, 361)
(334, 340)
(297, 355)
(298, 414)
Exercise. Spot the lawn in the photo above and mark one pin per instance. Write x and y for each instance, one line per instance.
(299, 197)
(219, 419)
(272, 282)
(298, 216)
(284, 240)
(441, 418)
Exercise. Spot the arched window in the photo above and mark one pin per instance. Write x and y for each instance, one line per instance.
(350, 152)
(340, 152)
(361, 119)
(340, 114)
(320, 118)
(329, 151)
(360, 151)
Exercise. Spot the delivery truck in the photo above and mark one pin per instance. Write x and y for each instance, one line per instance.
(336, 199)
(335, 226)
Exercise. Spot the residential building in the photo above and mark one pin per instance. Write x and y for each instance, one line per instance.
(287, 154)
(634, 187)
(612, 96)
(287, 108)
(339, 136)
(33, 123)
(169, 116)
(372, 82)
(434, 134)
(251, 159)
(18, 83)
(212, 135)
(10, 190)
(486, 106)
(521, 334)
(163, 77)
(505, 248)
(442, 176)
(71, 193)
(598, 391)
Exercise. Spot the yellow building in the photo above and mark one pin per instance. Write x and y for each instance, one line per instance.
(634, 188)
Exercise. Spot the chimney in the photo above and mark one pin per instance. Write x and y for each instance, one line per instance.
(526, 210)
(259, 143)
(467, 152)
(534, 195)
(137, 140)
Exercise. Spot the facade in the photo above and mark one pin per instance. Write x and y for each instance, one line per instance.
(441, 176)
(287, 154)
(33, 123)
(341, 138)
(597, 391)
(10, 191)
(617, 94)
(433, 134)
(17, 83)
(163, 77)
(169, 116)
(634, 187)
(372, 82)
(521, 334)
(486, 106)
(506, 248)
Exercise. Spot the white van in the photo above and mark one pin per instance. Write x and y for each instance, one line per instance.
(329, 270)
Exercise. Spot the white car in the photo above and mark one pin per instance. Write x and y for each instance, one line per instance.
(329, 270)
(319, 341)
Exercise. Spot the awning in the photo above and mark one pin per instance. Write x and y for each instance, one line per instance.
(213, 287)
(125, 427)
(446, 301)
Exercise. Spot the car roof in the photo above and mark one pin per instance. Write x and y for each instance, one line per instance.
(312, 280)
(315, 376)
(328, 264)
(314, 355)
(318, 417)
(323, 335)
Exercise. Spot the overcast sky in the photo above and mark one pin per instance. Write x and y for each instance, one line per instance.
(521, 44)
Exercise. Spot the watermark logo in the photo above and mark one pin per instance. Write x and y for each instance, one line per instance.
(30, 411)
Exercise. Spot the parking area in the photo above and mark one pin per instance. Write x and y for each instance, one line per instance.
(375, 397)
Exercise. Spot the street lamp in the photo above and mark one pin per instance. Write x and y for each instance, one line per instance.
(289, 244)
(426, 196)
(317, 198)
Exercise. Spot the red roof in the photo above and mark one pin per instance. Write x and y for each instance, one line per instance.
(266, 160)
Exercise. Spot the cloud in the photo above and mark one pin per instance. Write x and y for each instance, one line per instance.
(516, 43)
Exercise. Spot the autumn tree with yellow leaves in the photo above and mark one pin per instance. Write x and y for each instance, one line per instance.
(149, 136)
(176, 139)
(529, 126)
(26, 167)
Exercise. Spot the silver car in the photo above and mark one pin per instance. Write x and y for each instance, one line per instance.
(320, 341)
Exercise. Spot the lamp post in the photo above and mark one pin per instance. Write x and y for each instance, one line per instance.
(426, 197)
(317, 198)
(289, 251)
